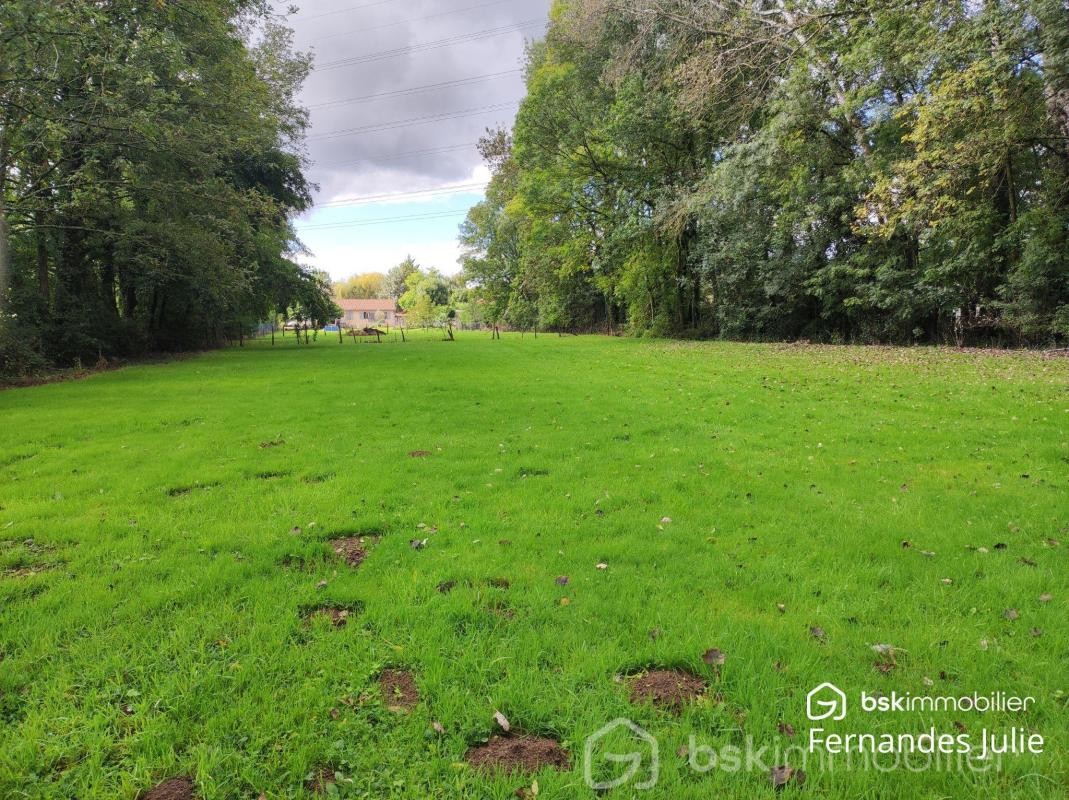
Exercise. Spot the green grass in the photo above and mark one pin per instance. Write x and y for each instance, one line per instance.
(153, 626)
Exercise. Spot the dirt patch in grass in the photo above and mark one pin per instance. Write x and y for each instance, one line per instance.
(351, 549)
(338, 615)
(445, 587)
(499, 583)
(15, 459)
(418, 453)
(399, 692)
(267, 476)
(322, 477)
(27, 570)
(667, 688)
(182, 491)
(171, 789)
(501, 609)
(321, 780)
(519, 753)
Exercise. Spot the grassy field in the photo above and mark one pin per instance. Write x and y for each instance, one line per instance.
(164, 529)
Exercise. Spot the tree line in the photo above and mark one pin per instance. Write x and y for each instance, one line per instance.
(427, 296)
(841, 170)
(150, 164)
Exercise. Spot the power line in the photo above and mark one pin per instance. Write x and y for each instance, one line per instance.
(466, 188)
(383, 220)
(404, 123)
(422, 47)
(337, 11)
(398, 156)
(405, 21)
(417, 89)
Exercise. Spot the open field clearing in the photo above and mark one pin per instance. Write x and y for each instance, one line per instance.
(298, 570)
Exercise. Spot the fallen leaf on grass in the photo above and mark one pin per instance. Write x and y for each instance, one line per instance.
(1010, 614)
(785, 728)
(781, 608)
(438, 727)
(1045, 597)
(601, 565)
(502, 721)
(418, 544)
(818, 633)
(561, 580)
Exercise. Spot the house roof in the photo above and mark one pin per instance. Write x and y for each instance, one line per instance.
(367, 304)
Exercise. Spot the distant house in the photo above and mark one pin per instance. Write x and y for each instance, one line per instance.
(368, 313)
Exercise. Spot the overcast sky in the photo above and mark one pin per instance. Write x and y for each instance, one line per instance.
(372, 116)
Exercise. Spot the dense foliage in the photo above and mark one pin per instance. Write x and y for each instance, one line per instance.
(834, 169)
(150, 163)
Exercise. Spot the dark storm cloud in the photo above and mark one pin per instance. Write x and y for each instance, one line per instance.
(350, 39)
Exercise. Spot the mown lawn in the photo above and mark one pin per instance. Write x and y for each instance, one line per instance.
(163, 535)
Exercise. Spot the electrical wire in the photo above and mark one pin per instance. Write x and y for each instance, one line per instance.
(400, 156)
(382, 220)
(422, 47)
(416, 89)
(337, 11)
(406, 21)
(466, 188)
(405, 123)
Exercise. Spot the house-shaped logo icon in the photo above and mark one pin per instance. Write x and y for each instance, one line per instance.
(642, 741)
(827, 700)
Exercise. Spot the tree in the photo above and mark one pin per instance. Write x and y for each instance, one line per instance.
(138, 211)
(833, 170)
(397, 277)
(366, 285)
(425, 299)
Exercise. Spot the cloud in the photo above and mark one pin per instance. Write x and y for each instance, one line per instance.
(388, 49)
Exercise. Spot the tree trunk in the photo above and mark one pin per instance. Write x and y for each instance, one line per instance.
(43, 288)
(5, 246)
(5, 253)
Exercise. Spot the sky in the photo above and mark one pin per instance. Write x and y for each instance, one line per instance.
(401, 92)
